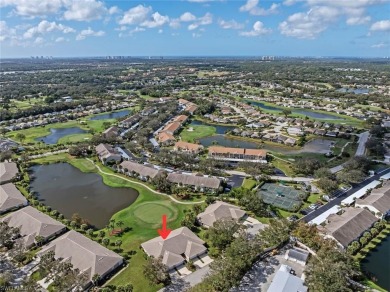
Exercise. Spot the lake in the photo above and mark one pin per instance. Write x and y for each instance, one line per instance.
(58, 133)
(222, 140)
(316, 115)
(65, 188)
(220, 129)
(354, 90)
(112, 115)
(377, 263)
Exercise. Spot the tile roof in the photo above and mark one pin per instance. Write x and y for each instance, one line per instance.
(348, 226)
(140, 169)
(194, 180)
(8, 171)
(180, 242)
(83, 253)
(32, 223)
(220, 210)
(10, 197)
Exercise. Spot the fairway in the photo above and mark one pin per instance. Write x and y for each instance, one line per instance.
(151, 212)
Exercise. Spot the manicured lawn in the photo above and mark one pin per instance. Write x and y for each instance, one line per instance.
(74, 138)
(249, 183)
(199, 131)
(151, 212)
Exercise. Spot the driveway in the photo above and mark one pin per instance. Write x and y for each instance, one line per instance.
(362, 143)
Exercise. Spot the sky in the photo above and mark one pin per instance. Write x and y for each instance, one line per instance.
(78, 28)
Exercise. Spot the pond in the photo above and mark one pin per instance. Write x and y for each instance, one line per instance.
(112, 115)
(316, 115)
(58, 133)
(222, 140)
(65, 188)
(220, 129)
(377, 263)
(354, 90)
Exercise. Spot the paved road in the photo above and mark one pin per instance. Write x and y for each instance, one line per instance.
(342, 196)
(362, 143)
(48, 154)
(359, 151)
(274, 177)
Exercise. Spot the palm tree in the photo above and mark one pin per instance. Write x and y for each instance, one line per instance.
(96, 279)
(120, 224)
(106, 241)
(39, 240)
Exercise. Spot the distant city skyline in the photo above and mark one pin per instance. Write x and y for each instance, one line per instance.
(290, 28)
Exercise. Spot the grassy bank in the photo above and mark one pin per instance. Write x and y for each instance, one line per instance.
(199, 131)
(346, 120)
(95, 126)
(143, 217)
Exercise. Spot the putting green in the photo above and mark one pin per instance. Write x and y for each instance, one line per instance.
(151, 213)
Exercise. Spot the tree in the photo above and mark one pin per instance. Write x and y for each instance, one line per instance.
(106, 241)
(125, 288)
(189, 220)
(155, 271)
(253, 202)
(287, 112)
(90, 232)
(330, 269)
(327, 185)
(221, 234)
(353, 247)
(323, 172)
(363, 240)
(277, 232)
(351, 176)
(228, 270)
(309, 235)
(118, 243)
(39, 240)
(102, 233)
(95, 279)
(120, 223)
(21, 137)
(307, 166)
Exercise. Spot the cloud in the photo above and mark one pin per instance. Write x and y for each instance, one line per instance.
(353, 10)
(204, 20)
(136, 15)
(383, 25)
(60, 40)
(251, 7)
(45, 27)
(187, 16)
(114, 10)
(33, 8)
(84, 10)
(358, 20)
(310, 24)
(89, 32)
(39, 41)
(196, 35)
(380, 45)
(258, 30)
(231, 24)
(155, 20)
(6, 32)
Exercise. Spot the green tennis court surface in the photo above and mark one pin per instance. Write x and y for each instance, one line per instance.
(280, 196)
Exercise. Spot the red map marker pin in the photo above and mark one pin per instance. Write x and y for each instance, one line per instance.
(164, 232)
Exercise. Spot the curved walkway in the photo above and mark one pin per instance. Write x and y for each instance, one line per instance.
(145, 186)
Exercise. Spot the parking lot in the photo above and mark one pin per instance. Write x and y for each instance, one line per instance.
(259, 278)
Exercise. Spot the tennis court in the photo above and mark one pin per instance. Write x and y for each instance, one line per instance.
(280, 196)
